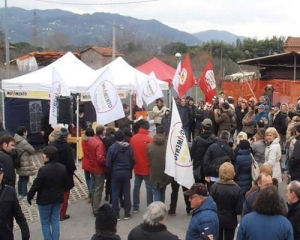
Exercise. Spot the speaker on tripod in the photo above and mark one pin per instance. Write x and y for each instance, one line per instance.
(64, 110)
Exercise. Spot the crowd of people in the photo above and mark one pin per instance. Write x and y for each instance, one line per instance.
(225, 139)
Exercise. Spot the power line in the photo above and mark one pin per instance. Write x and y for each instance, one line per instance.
(98, 4)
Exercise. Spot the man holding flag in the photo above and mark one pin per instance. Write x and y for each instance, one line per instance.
(178, 160)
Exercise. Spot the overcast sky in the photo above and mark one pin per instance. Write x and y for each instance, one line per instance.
(251, 18)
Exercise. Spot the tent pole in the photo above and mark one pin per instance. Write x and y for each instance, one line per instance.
(77, 129)
(130, 104)
(170, 97)
(3, 109)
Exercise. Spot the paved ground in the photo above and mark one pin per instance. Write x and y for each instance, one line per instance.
(81, 224)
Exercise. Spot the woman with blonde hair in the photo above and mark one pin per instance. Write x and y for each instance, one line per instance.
(273, 152)
(226, 194)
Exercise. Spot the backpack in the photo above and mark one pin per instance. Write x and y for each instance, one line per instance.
(16, 155)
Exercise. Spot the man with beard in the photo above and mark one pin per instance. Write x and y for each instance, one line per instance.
(199, 147)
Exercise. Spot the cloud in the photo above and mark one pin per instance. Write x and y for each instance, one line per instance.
(253, 18)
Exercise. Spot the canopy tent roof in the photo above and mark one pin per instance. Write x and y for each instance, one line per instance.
(161, 69)
(281, 59)
(74, 72)
(125, 76)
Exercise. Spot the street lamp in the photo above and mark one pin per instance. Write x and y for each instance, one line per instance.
(178, 57)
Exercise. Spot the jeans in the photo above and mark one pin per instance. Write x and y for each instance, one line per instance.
(64, 207)
(136, 190)
(120, 182)
(89, 181)
(22, 185)
(97, 189)
(187, 133)
(159, 194)
(49, 217)
(174, 197)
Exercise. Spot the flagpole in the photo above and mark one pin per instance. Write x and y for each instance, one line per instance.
(178, 59)
(251, 90)
(77, 130)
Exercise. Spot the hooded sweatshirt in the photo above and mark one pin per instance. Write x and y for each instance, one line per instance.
(120, 157)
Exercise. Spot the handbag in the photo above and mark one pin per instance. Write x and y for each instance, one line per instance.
(197, 173)
(254, 168)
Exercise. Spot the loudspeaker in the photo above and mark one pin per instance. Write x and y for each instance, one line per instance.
(64, 110)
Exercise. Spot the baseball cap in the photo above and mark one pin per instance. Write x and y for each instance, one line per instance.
(197, 188)
(207, 122)
(1, 168)
(262, 106)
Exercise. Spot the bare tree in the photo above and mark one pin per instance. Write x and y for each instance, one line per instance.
(58, 41)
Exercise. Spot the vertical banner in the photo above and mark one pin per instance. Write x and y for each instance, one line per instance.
(59, 88)
(105, 98)
(178, 160)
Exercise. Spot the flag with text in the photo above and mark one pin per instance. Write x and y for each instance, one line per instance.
(178, 160)
(207, 82)
(105, 98)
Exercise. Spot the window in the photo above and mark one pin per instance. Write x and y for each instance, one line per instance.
(35, 115)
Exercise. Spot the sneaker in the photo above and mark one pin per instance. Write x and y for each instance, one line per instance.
(67, 216)
(118, 217)
(127, 216)
(171, 213)
(135, 210)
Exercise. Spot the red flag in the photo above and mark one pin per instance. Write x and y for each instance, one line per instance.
(207, 82)
(186, 80)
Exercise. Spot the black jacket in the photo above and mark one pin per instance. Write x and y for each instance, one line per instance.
(239, 117)
(144, 231)
(10, 209)
(294, 164)
(280, 123)
(104, 235)
(49, 184)
(185, 115)
(8, 166)
(216, 154)
(293, 216)
(229, 201)
(45, 126)
(199, 147)
(66, 158)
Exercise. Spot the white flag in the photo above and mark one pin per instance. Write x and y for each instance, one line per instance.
(150, 89)
(105, 99)
(176, 78)
(138, 93)
(178, 160)
(59, 88)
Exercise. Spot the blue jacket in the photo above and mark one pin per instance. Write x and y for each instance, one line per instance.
(120, 157)
(261, 227)
(260, 116)
(204, 221)
(242, 167)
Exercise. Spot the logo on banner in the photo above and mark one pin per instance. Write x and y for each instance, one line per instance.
(210, 80)
(183, 76)
(105, 102)
(59, 90)
(150, 88)
(181, 148)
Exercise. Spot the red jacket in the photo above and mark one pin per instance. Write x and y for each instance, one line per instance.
(85, 159)
(97, 155)
(139, 144)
